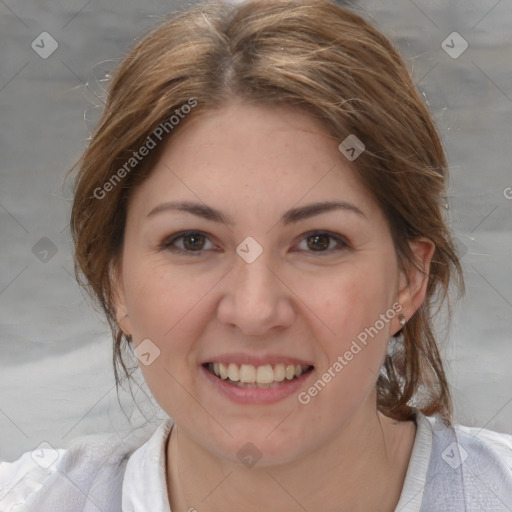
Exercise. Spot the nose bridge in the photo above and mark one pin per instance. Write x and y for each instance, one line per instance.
(254, 299)
(255, 282)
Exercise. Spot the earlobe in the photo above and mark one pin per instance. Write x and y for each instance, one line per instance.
(124, 324)
(413, 282)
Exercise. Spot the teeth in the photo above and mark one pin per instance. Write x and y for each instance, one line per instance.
(223, 371)
(247, 373)
(289, 372)
(233, 372)
(262, 376)
(279, 372)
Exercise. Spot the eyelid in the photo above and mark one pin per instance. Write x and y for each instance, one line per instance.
(167, 243)
(341, 241)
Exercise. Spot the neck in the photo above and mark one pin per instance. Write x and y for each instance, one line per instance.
(362, 468)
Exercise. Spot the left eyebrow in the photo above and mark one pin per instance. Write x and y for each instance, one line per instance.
(289, 217)
(305, 212)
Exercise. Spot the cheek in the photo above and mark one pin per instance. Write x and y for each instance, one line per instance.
(162, 305)
(351, 332)
(352, 300)
(160, 298)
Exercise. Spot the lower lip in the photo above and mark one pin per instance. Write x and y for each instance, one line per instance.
(242, 395)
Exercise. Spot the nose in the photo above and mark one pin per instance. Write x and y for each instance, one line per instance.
(255, 299)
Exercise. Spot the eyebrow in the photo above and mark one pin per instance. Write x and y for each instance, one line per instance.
(289, 217)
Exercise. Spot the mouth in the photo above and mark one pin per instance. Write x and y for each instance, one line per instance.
(262, 377)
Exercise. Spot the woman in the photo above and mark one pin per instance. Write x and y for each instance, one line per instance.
(260, 213)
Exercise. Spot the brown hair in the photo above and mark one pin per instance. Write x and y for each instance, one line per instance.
(307, 54)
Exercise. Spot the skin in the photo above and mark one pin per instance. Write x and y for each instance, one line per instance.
(253, 163)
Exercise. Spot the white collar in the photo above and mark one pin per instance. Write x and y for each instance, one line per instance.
(145, 482)
(416, 476)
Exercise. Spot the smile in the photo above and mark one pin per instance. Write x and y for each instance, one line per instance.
(250, 376)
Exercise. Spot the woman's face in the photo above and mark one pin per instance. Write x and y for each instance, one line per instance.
(231, 259)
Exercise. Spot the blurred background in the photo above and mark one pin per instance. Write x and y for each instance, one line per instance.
(56, 377)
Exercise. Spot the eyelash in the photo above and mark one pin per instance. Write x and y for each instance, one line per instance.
(167, 244)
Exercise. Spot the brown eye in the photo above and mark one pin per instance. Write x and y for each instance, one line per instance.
(192, 243)
(322, 243)
(319, 242)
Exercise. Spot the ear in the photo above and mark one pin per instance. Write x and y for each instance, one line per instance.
(119, 298)
(413, 282)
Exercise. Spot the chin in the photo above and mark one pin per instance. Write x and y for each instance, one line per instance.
(261, 446)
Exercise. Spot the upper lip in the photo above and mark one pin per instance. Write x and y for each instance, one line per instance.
(272, 359)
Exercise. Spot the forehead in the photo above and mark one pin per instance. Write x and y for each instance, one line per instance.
(249, 155)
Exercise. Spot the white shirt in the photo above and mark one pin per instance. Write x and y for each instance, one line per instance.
(145, 481)
(144, 485)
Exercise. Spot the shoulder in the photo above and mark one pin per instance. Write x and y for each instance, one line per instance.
(26, 475)
(48, 475)
(473, 445)
(469, 469)
(499, 444)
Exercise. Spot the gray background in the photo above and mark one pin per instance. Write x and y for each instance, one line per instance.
(56, 379)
